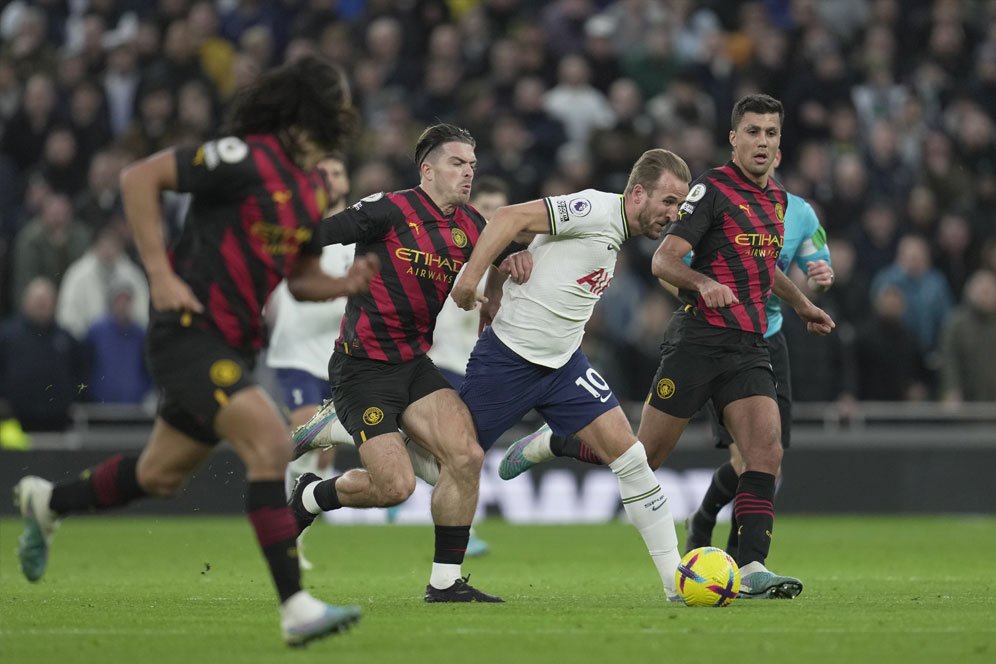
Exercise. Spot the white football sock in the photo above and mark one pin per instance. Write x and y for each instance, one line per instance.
(423, 463)
(301, 607)
(338, 434)
(308, 499)
(444, 575)
(646, 506)
(538, 449)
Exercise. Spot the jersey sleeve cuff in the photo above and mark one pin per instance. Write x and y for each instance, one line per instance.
(684, 232)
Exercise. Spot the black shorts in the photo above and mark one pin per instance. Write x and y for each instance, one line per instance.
(783, 391)
(197, 372)
(370, 396)
(700, 362)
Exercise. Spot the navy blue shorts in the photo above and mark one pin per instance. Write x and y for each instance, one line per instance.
(299, 388)
(453, 378)
(500, 387)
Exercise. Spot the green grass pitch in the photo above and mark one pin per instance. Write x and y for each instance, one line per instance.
(193, 590)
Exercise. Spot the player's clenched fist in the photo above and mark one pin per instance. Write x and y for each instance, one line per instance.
(465, 296)
(518, 266)
(716, 295)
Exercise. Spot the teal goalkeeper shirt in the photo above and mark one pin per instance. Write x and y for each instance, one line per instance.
(804, 241)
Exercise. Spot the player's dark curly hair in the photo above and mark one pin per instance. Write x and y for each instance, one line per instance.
(309, 93)
(437, 135)
(760, 104)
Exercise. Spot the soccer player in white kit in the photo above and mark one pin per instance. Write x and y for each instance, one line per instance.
(530, 357)
(302, 334)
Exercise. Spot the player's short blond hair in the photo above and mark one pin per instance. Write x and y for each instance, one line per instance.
(652, 164)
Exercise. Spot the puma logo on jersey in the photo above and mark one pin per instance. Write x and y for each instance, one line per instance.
(415, 227)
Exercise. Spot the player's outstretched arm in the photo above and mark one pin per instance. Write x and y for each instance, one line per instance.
(500, 232)
(141, 185)
(309, 283)
(669, 266)
(817, 321)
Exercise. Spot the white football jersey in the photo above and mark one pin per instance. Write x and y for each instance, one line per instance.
(304, 333)
(543, 319)
(455, 335)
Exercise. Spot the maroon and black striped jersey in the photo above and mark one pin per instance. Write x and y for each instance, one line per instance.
(253, 211)
(736, 230)
(421, 250)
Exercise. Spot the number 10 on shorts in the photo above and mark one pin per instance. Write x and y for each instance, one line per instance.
(595, 385)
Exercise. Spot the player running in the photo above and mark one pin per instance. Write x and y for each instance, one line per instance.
(805, 244)
(380, 374)
(530, 357)
(253, 221)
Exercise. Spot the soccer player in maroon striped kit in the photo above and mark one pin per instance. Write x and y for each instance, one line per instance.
(714, 347)
(253, 219)
(382, 379)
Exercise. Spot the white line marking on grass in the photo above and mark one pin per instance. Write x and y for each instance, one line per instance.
(679, 628)
(94, 631)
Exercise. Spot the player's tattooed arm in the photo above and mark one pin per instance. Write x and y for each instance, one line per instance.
(817, 321)
(668, 265)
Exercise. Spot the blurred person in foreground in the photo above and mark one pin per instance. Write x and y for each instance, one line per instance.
(253, 220)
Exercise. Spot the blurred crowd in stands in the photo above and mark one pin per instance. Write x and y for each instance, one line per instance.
(889, 133)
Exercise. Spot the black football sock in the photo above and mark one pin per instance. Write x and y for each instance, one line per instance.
(720, 492)
(111, 483)
(755, 512)
(733, 541)
(572, 448)
(326, 496)
(276, 532)
(451, 544)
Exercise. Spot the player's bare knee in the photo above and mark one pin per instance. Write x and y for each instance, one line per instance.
(162, 485)
(396, 490)
(466, 460)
